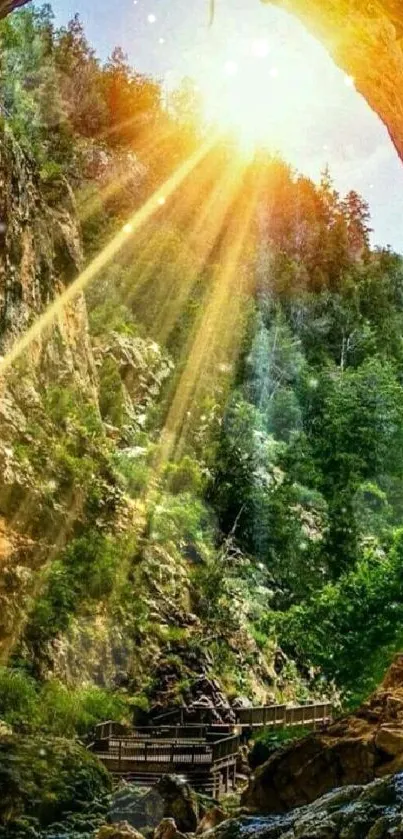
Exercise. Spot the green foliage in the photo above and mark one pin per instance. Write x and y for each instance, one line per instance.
(286, 507)
(45, 780)
(86, 571)
(51, 707)
(280, 736)
(185, 476)
(329, 628)
(18, 698)
(269, 740)
(65, 712)
(111, 395)
(134, 471)
(181, 519)
(307, 470)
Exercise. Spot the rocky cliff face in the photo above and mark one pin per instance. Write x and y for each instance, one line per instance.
(364, 39)
(39, 252)
(7, 6)
(353, 750)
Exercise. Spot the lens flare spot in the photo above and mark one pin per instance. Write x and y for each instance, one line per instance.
(260, 48)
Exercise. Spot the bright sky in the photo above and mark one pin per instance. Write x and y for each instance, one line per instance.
(258, 67)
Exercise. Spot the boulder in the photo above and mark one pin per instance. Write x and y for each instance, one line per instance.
(167, 829)
(353, 750)
(389, 740)
(138, 806)
(351, 812)
(179, 802)
(212, 819)
(242, 702)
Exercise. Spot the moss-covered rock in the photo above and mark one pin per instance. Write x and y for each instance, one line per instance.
(44, 781)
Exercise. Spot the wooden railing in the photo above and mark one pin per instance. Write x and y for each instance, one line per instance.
(110, 729)
(225, 748)
(128, 753)
(283, 715)
(182, 732)
(265, 715)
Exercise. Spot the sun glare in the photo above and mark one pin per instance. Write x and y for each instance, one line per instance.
(249, 93)
(261, 90)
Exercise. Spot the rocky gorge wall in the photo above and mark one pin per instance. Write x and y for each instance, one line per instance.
(39, 252)
(7, 6)
(74, 412)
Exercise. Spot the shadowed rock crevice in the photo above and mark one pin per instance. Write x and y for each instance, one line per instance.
(353, 750)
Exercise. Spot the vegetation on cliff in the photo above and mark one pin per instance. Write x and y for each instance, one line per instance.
(273, 519)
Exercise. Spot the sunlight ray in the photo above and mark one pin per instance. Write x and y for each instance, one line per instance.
(136, 221)
(204, 236)
(88, 203)
(208, 330)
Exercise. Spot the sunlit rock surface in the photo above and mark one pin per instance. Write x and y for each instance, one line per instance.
(7, 6)
(39, 252)
(353, 750)
(365, 40)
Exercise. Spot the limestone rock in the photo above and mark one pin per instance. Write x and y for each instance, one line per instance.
(39, 252)
(365, 40)
(121, 830)
(180, 803)
(353, 750)
(352, 812)
(7, 6)
(389, 740)
(212, 819)
(167, 829)
(5, 729)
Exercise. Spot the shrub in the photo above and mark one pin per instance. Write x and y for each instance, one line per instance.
(134, 471)
(185, 476)
(68, 712)
(85, 571)
(18, 698)
(181, 519)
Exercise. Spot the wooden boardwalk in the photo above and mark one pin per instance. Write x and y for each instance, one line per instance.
(271, 716)
(208, 765)
(201, 750)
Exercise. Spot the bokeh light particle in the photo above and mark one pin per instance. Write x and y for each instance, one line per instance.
(231, 68)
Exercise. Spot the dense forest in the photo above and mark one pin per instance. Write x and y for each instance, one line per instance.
(217, 487)
(287, 473)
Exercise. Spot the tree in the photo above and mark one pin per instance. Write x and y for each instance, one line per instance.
(357, 215)
(80, 81)
(29, 86)
(132, 101)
